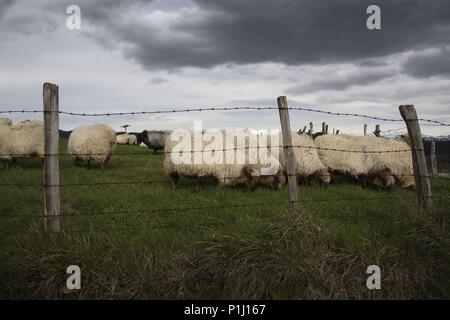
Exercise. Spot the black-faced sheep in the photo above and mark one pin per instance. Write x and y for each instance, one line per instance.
(154, 140)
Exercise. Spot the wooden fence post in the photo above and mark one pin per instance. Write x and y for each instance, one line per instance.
(422, 179)
(310, 129)
(365, 129)
(337, 131)
(288, 152)
(434, 171)
(51, 160)
(323, 127)
(377, 131)
(326, 129)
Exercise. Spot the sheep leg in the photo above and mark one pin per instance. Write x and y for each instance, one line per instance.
(251, 183)
(174, 178)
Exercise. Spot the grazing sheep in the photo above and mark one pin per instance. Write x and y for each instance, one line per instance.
(95, 142)
(356, 163)
(154, 140)
(400, 163)
(275, 182)
(227, 174)
(5, 122)
(127, 139)
(309, 167)
(22, 140)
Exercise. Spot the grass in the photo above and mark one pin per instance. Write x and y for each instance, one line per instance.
(128, 246)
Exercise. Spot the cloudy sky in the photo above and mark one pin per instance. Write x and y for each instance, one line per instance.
(154, 55)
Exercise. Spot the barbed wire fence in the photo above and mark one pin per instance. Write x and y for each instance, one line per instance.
(51, 185)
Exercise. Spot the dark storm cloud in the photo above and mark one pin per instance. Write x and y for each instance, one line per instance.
(359, 77)
(4, 5)
(292, 32)
(433, 63)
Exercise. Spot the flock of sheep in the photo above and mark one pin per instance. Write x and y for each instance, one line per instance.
(373, 160)
(379, 162)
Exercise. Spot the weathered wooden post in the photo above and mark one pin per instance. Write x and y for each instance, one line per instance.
(310, 129)
(434, 171)
(422, 179)
(323, 127)
(326, 129)
(365, 129)
(334, 131)
(337, 131)
(51, 160)
(377, 131)
(288, 152)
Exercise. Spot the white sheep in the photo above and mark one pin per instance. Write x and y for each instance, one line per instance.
(308, 164)
(400, 163)
(5, 122)
(226, 173)
(356, 161)
(127, 139)
(22, 140)
(95, 142)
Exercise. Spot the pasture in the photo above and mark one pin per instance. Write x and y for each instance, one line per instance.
(147, 240)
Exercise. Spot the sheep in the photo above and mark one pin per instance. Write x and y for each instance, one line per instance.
(356, 163)
(95, 142)
(400, 163)
(5, 122)
(22, 140)
(154, 139)
(226, 173)
(308, 166)
(275, 182)
(127, 139)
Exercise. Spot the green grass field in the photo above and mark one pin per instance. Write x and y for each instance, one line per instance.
(147, 240)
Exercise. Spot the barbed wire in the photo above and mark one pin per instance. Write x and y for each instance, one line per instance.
(152, 182)
(182, 152)
(172, 111)
(393, 130)
(230, 206)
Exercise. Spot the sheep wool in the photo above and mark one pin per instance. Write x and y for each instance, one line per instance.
(356, 161)
(308, 164)
(25, 139)
(126, 139)
(399, 162)
(225, 173)
(5, 122)
(95, 142)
